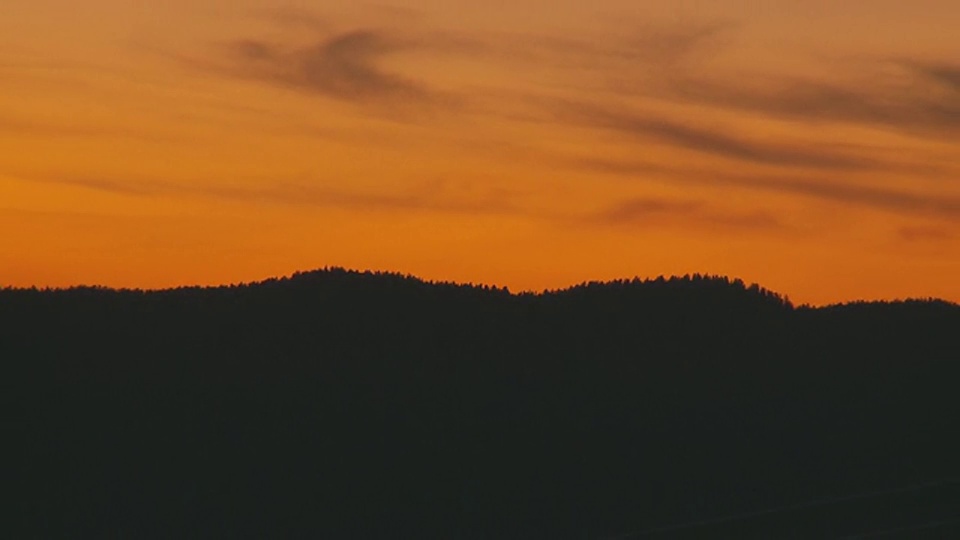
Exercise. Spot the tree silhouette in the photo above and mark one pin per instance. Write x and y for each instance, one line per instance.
(369, 405)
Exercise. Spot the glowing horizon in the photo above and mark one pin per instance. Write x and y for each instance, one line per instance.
(809, 147)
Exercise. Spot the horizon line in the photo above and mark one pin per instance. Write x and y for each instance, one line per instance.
(785, 298)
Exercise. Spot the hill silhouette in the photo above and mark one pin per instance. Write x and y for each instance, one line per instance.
(342, 404)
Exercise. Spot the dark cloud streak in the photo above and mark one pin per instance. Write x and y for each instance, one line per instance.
(947, 74)
(832, 190)
(925, 234)
(646, 211)
(346, 67)
(288, 193)
(705, 140)
(913, 102)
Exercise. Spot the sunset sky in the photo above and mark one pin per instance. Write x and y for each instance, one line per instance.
(812, 146)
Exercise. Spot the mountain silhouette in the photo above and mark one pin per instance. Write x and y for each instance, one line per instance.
(343, 404)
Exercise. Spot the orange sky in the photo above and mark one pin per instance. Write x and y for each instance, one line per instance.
(811, 146)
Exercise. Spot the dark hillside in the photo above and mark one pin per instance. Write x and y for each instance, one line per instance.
(337, 404)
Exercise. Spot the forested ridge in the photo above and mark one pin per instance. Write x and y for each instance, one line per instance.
(342, 404)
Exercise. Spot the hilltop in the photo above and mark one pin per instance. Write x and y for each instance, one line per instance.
(354, 404)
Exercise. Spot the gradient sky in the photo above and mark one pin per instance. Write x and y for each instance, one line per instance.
(808, 145)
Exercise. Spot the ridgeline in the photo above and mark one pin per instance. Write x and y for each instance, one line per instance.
(340, 404)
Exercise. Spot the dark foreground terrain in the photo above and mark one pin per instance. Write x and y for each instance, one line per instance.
(337, 404)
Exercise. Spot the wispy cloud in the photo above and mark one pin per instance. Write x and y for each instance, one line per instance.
(133, 185)
(935, 205)
(633, 47)
(657, 128)
(648, 64)
(925, 234)
(428, 197)
(833, 189)
(674, 43)
(913, 96)
(346, 66)
(290, 17)
(415, 199)
(947, 74)
(23, 127)
(355, 65)
(647, 211)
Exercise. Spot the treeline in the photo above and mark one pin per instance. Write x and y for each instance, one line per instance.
(369, 405)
